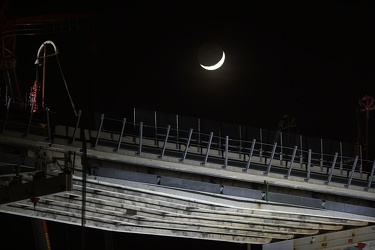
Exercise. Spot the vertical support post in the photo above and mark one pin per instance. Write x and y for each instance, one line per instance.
(308, 168)
(48, 126)
(271, 159)
(370, 177)
(332, 168)
(341, 160)
(99, 130)
(226, 151)
(321, 155)
(140, 138)
(250, 156)
(300, 152)
(121, 135)
(240, 148)
(281, 148)
(165, 142)
(177, 134)
(352, 172)
(361, 160)
(199, 148)
(291, 162)
(187, 145)
(156, 129)
(219, 151)
(208, 149)
(134, 126)
(261, 145)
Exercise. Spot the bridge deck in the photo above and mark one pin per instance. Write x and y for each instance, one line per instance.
(139, 184)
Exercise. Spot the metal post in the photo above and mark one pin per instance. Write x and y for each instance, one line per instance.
(134, 127)
(240, 148)
(48, 126)
(332, 168)
(271, 159)
(341, 160)
(300, 152)
(208, 149)
(165, 142)
(140, 138)
(199, 148)
(177, 134)
(308, 169)
(250, 155)
(361, 160)
(352, 172)
(121, 134)
(99, 130)
(261, 145)
(291, 162)
(219, 151)
(321, 155)
(370, 178)
(281, 148)
(187, 145)
(226, 151)
(156, 128)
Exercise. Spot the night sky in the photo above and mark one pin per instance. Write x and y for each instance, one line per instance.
(312, 60)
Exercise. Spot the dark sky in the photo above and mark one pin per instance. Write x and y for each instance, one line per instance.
(312, 60)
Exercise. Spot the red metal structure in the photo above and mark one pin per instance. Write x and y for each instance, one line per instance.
(10, 29)
(365, 105)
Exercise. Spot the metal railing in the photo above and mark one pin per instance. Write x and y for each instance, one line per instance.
(167, 135)
(259, 155)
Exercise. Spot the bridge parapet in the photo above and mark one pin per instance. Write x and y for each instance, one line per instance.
(228, 145)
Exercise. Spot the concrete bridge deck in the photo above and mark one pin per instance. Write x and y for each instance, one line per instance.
(139, 184)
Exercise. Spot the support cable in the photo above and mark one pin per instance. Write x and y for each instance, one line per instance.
(66, 86)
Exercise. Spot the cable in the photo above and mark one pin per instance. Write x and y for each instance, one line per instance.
(66, 86)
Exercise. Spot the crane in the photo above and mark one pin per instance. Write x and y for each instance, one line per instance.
(11, 28)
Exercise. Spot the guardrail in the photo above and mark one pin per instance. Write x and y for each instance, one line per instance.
(245, 154)
(213, 142)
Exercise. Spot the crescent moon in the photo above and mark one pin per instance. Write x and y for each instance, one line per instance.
(215, 66)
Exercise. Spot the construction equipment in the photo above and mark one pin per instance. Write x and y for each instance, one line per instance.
(11, 28)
